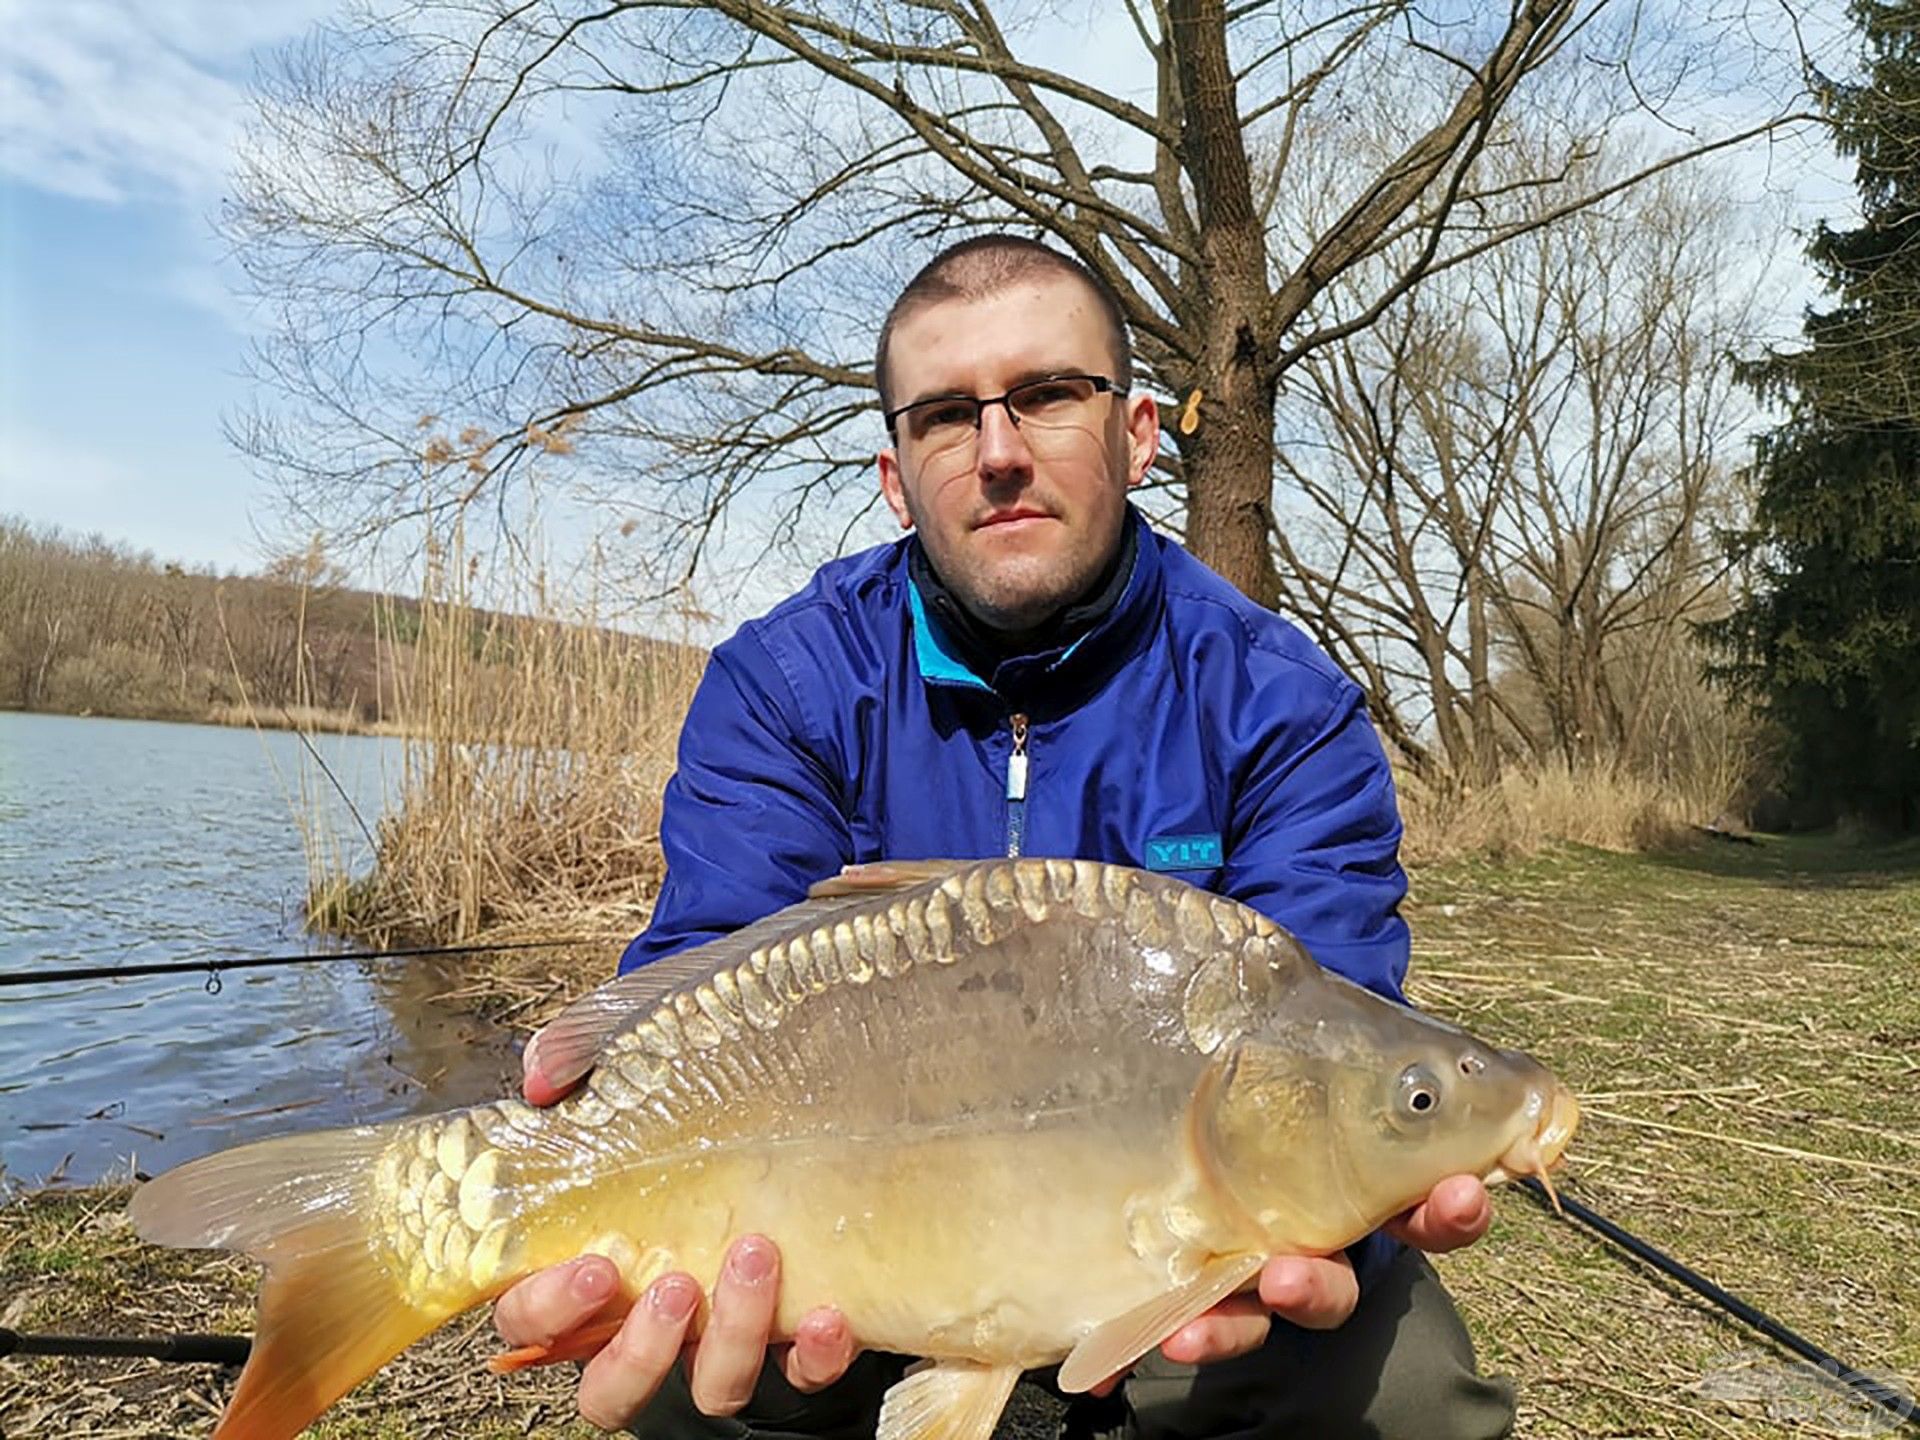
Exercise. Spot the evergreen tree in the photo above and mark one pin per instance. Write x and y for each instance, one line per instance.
(1829, 644)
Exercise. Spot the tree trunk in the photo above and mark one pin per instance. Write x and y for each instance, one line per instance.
(1228, 456)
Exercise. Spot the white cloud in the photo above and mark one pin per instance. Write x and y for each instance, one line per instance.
(203, 284)
(118, 99)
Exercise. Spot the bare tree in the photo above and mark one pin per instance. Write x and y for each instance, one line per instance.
(673, 224)
(1502, 498)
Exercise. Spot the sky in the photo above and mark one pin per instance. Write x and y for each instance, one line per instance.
(122, 347)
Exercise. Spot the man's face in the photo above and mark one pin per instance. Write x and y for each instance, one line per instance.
(1020, 521)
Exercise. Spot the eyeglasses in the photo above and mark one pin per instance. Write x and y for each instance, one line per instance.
(1059, 402)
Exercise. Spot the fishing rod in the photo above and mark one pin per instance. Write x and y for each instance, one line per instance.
(188, 1349)
(1899, 1405)
(212, 968)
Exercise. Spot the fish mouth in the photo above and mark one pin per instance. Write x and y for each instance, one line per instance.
(1540, 1149)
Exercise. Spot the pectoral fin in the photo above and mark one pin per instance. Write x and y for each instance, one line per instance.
(578, 1346)
(1125, 1338)
(946, 1400)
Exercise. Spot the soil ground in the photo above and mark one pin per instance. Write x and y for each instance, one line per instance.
(1742, 1024)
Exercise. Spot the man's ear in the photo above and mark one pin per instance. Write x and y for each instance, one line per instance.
(893, 486)
(1143, 435)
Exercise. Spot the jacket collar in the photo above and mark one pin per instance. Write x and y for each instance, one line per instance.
(1055, 677)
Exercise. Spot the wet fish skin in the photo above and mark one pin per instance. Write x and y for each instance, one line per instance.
(991, 1116)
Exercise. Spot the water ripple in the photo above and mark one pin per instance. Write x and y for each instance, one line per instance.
(125, 842)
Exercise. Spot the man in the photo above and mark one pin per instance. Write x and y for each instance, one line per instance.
(1034, 671)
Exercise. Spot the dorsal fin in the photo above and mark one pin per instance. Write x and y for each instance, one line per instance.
(564, 1050)
(881, 876)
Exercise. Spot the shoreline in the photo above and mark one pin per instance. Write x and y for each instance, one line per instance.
(293, 719)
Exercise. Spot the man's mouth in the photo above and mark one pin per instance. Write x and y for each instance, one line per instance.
(1008, 517)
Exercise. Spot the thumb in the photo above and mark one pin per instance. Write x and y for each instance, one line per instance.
(535, 1083)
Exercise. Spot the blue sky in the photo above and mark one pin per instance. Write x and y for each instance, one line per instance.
(121, 347)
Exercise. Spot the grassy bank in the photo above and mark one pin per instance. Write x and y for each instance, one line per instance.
(1743, 1024)
(70, 1263)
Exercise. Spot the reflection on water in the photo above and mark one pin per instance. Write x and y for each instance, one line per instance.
(129, 841)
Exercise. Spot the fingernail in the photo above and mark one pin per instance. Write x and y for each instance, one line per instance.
(672, 1299)
(751, 1263)
(590, 1282)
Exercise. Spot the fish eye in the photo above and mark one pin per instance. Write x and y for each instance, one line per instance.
(1419, 1092)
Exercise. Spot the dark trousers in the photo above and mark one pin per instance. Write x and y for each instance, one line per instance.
(1402, 1368)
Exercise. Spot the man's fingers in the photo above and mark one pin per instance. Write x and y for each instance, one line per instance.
(1314, 1293)
(726, 1363)
(1455, 1213)
(821, 1351)
(623, 1376)
(554, 1301)
(1103, 1388)
(535, 1084)
(1235, 1326)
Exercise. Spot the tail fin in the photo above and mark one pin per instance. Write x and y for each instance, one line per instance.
(332, 1311)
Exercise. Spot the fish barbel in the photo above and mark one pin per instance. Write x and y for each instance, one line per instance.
(1001, 1114)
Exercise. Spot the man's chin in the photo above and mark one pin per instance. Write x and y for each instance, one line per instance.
(1017, 613)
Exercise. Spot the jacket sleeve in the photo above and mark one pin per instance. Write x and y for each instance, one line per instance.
(1316, 848)
(1315, 842)
(752, 815)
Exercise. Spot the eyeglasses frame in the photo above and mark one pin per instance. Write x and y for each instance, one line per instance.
(1102, 385)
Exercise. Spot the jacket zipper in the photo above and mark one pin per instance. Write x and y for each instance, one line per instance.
(1017, 786)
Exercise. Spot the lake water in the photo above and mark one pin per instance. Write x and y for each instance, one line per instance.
(126, 841)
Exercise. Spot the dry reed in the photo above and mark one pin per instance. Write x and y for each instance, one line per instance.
(1528, 809)
(535, 751)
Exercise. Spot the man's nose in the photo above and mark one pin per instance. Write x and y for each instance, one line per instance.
(1002, 449)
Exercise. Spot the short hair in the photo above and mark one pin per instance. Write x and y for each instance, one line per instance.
(986, 265)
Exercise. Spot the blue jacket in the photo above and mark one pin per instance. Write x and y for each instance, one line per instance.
(1190, 731)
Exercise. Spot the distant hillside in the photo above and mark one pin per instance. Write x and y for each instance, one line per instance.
(92, 627)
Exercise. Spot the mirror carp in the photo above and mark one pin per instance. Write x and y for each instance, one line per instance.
(1002, 1114)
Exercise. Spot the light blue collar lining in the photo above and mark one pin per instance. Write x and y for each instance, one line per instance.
(938, 665)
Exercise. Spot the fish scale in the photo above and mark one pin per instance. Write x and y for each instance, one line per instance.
(999, 1113)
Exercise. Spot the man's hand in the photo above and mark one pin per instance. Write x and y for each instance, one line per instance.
(1319, 1294)
(562, 1306)
(723, 1364)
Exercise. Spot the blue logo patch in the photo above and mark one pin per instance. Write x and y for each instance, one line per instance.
(1183, 852)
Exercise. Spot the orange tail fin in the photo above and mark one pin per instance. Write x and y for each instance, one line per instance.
(331, 1312)
(328, 1319)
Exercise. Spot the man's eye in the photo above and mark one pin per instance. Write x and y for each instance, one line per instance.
(1048, 394)
(940, 417)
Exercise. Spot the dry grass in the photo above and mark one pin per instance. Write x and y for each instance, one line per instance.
(1527, 810)
(1743, 1025)
(312, 719)
(69, 1263)
(535, 756)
